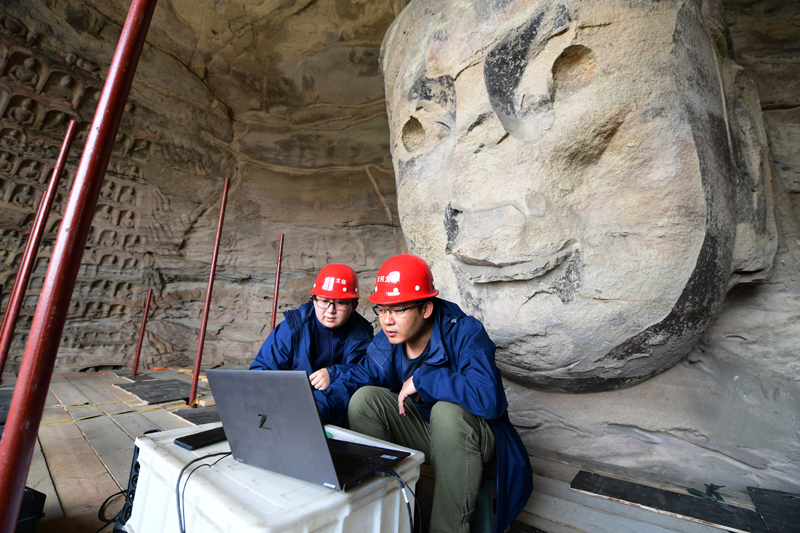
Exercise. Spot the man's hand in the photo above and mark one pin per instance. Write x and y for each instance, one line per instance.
(408, 390)
(320, 379)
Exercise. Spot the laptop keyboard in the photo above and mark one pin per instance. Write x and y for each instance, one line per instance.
(347, 467)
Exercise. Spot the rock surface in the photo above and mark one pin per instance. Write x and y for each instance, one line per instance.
(726, 413)
(588, 178)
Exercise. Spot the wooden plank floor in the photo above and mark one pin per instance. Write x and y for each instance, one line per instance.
(85, 446)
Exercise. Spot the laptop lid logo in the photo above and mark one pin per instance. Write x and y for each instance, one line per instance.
(263, 420)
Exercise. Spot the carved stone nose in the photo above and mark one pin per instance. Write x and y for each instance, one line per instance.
(499, 236)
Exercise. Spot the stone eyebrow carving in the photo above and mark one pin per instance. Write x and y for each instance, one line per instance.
(506, 63)
(439, 90)
(504, 70)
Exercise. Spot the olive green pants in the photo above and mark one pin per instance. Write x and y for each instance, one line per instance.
(456, 444)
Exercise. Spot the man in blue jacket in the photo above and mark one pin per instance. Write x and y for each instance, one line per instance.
(429, 382)
(319, 336)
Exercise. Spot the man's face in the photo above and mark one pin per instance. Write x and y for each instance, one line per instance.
(572, 196)
(404, 322)
(333, 313)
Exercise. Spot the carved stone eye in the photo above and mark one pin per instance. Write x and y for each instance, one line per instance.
(574, 68)
(413, 135)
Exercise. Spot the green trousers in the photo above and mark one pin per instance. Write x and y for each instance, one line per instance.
(456, 444)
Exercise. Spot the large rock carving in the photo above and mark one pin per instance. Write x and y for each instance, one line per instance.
(590, 179)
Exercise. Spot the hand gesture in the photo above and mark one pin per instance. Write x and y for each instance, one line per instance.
(320, 379)
(408, 390)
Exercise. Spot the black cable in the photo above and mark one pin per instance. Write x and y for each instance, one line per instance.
(186, 483)
(385, 472)
(181, 521)
(115, 517)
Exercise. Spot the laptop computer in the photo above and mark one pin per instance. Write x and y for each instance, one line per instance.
(271, 421)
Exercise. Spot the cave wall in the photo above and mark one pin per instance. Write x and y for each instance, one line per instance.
(284, 97)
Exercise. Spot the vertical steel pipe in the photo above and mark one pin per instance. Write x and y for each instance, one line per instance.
(141, 332)
(25, 413)
(199, 357)
(32, 248)
(277, 282)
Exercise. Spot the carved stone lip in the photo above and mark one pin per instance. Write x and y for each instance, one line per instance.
(522, 271)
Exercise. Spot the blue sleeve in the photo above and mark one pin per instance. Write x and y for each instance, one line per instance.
(354, 354)
(473, 382)
(277, 352)
(332, 404)
(373, 369)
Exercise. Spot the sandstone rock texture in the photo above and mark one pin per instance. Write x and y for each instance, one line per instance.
(284, 97)
(589, 178)
(593, 179)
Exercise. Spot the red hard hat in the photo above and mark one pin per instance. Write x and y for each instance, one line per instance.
(337, 282)
(403, 278)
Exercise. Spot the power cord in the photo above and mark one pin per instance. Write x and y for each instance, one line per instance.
(180, 494)
(116, 517)
(385, 472)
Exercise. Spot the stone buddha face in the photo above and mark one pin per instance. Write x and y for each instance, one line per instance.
(567, 171)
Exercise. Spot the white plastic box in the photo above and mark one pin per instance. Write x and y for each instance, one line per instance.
(237, 498)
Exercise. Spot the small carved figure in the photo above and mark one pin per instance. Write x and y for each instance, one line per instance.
(108, 238)
(25, 73)
(63, 90)
(14, 26)
(128, 195)
(22, 114)
(108, 190)
(103, 214)
(119, 144)
(11, 139)
(24, 198)
(5, 163)
(56, 121)
(127, 220)
(124, 291)
(31, 171)
(132, 172)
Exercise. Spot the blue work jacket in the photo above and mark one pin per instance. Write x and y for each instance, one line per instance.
(288, 348)
(460, 369)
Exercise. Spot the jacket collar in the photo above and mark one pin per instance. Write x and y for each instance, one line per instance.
(445, 316)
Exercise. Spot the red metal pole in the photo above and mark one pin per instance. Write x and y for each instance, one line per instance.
(25, 413)
(141, 332)
(199, 357)
(32, 248)
(277, 281)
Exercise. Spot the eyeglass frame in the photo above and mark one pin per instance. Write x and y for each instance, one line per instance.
(401, 310)
(331, 302)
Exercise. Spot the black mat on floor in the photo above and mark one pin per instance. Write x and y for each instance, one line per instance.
(690, 507)
(159, 391)
(200, 415)
(779, 510)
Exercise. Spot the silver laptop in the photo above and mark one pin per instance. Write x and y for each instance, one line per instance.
(271, 421)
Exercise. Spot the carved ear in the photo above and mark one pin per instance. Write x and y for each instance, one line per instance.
(756, 233)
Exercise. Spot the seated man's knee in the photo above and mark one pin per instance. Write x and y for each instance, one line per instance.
(365, 399)
(451, 419)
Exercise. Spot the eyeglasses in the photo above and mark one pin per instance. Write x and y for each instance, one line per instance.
(398, 312)
(326, 304)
